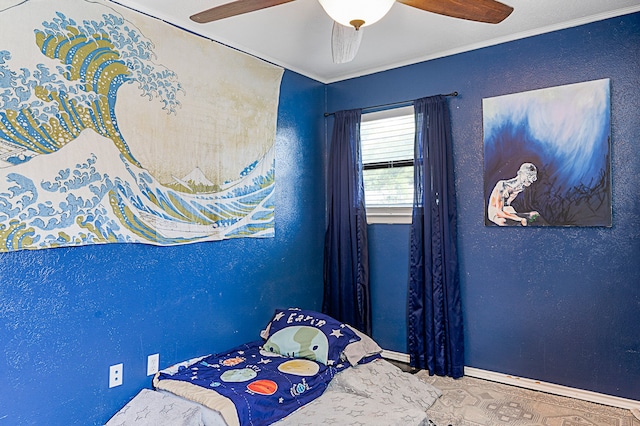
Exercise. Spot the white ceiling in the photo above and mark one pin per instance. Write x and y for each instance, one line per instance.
(297, 35)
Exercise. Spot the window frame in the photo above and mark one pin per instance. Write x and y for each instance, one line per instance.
(388, 215)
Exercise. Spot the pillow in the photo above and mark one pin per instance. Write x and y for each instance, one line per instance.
(363, 349)
(298, 333)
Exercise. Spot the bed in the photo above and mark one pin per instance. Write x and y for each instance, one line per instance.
(307, 369)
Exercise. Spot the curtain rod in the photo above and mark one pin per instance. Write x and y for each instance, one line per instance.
(393, 104)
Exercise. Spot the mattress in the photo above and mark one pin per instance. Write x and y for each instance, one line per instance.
(308, 369)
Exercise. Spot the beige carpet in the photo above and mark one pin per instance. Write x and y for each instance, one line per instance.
(470, 402)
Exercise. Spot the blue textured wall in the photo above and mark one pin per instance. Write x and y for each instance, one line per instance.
(66, 315)
(389, 272)
(558, 305)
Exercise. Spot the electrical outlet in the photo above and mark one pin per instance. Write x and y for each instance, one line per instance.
(115, 375)
(153, 364)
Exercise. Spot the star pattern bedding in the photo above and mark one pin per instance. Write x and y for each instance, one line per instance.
(373, 394)
(309, 369)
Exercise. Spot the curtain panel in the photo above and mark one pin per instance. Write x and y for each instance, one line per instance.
(435, 327)
(346, 254)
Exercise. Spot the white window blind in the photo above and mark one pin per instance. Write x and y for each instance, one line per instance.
(387, 156)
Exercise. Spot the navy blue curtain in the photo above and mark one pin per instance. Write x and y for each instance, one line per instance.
(346, 254)
(435, 328)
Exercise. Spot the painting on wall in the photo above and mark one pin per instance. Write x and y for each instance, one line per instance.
(116, 127)
(547, 156)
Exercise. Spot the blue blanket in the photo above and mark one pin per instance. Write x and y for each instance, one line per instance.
(264, 388)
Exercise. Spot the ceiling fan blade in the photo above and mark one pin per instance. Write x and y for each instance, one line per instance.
(234, 8)
(489, 11)
(345, 42)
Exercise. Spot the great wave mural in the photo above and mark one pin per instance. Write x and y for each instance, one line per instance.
(118, 128)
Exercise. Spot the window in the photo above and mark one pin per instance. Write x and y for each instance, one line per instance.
(387, 158)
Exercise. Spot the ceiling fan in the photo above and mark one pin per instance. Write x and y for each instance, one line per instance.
(351, 15)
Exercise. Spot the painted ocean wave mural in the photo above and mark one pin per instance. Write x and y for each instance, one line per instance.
(68, 175)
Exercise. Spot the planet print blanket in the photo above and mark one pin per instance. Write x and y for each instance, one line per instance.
(247, 385)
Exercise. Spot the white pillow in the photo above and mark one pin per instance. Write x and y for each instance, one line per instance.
(365, 347)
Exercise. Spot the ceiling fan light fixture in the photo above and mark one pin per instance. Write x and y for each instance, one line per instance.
(356, 13)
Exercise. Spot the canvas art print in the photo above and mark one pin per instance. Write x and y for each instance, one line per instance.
(118, 128)
(547, 156)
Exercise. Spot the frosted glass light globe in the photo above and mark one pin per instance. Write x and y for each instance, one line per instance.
(356, 13)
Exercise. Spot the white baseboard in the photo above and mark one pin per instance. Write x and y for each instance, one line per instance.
(537, 385)
(396, 356)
